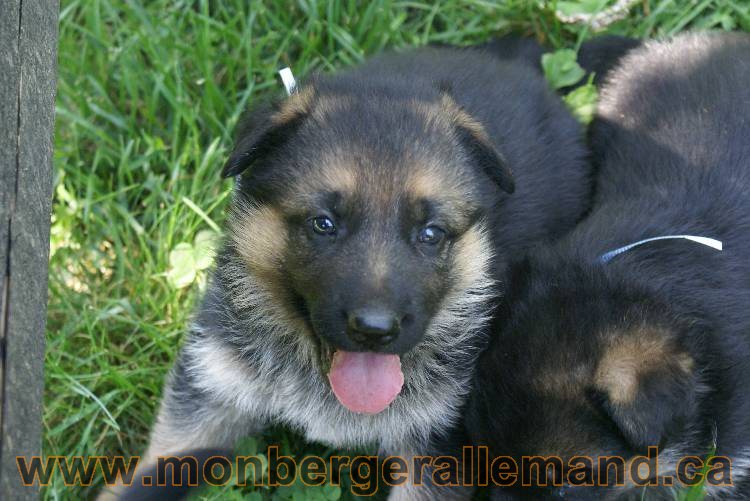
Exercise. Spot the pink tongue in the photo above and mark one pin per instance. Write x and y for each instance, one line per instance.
(365, 383)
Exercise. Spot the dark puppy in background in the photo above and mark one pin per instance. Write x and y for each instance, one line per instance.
(374, 217)
(605, 354)
(598, 55)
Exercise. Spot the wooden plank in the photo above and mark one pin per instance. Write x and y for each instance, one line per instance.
(28, 36)
(9, 79)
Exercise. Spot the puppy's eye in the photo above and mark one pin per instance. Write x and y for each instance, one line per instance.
(431, 235)
(323, 225)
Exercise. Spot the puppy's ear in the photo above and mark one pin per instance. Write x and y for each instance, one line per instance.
(266, 129)
(647, 384)
(601, 54)
(478, 146)
(515, 49)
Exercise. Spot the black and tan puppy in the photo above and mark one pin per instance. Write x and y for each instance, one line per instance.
(601, 353)
(374, 216)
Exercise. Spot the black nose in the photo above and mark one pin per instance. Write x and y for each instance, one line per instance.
(373, 327)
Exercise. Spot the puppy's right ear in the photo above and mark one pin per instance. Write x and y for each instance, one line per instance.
(266, 129)
(474, 138)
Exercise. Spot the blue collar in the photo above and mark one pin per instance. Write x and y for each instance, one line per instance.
(709, 242)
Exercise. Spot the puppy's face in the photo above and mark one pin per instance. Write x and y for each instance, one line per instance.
(360, 215)
(582, 373)
(370, 264)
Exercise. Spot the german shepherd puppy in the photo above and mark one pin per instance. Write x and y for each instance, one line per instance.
(374, 216)
(604, 354)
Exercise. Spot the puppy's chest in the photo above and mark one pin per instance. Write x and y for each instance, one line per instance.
(407, 424)
(300, 397)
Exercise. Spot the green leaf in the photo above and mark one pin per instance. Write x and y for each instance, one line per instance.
(182, 266)
(582, 102)
(247, 447)
(561, 68)
(332, 492)
(263, 463)
(204, 246)
(303, 496)
(233, 495)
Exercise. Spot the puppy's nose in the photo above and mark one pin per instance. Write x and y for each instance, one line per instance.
(373, 327)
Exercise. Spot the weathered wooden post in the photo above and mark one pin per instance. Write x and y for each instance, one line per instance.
(28, 48)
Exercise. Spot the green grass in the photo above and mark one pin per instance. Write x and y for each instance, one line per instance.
(148, 95)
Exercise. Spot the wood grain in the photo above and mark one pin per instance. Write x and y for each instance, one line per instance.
(28, 37)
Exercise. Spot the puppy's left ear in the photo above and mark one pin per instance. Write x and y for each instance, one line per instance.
(266, 129)
(647, 383)
(477, 143)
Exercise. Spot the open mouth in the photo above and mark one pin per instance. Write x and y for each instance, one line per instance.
(363, 382)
